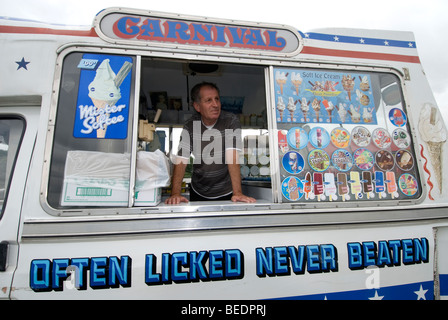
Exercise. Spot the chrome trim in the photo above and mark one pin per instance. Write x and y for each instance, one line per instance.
(244, 221)
(134, 114)
(273, 136)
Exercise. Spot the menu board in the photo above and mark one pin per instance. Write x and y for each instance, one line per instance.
(336, 143)
(324, 97)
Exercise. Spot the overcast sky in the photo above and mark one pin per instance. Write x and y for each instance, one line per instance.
(427, 19)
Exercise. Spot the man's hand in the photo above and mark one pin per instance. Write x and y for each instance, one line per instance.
(176, 199)
(242, 198)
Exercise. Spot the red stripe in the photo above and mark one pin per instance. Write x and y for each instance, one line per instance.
(360, 55)
(306, 50)
(31, 30)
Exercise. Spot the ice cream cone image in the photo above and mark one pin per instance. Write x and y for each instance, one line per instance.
(348, 83)
(281, 107)
(316, 107)
(433, 132)
(281, 84)
(329, 107)
(280, 77)
(363, 99)
(435, 153)
(102, 118)
(291, 108)
(304, 106)
(364, 85)
(296, 80)
(104, 91)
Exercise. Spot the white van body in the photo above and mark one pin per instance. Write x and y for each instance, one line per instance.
(366, 244)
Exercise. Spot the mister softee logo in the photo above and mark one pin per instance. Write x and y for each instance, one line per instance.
(103, 97)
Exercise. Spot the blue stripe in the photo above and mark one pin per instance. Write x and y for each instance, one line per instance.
(443, 283)
(360, 40)
(401, 292)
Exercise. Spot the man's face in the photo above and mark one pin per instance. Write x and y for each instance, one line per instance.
(209, 105)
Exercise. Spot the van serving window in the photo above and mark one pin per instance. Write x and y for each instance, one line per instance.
(343, 136)
(328, 135)
(90, 164)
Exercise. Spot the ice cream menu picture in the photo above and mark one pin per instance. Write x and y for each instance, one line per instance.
(324, 97)
(102, 108)
(336, 143)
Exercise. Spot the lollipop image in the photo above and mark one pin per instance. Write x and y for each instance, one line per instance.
(330, 186)
(342, 185)
(355, 183)
(104, 91)
(308, 185)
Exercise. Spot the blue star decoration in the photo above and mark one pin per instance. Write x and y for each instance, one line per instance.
(22, 64)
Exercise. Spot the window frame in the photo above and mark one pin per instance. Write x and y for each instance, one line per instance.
(179, 211)
(345, 69)
(10, 117)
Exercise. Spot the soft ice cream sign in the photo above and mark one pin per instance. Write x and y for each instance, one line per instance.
(323, 97)
(102, 108)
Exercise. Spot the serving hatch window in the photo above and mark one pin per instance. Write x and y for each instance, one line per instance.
(343, 136)
(91, 155)
(94, 152)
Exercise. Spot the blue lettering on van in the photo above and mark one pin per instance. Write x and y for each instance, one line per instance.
(387, 253)
(183, 267)
(218, 265)
(105, 272)
(280, 261)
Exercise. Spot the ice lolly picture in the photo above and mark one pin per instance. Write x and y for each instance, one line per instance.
(355, 183)
(367, 186)
(379, 183)
(391, 183)
(308, 185)
(282, 141)
(342, 185)
(293, 189)
(330, 186)
(297, 136)
(318, 185)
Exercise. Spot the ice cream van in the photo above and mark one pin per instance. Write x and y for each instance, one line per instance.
(343, 147)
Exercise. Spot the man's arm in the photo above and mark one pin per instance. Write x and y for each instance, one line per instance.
(176, 183)
(232, 158)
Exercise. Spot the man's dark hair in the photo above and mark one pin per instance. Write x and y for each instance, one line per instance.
(195, 97)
